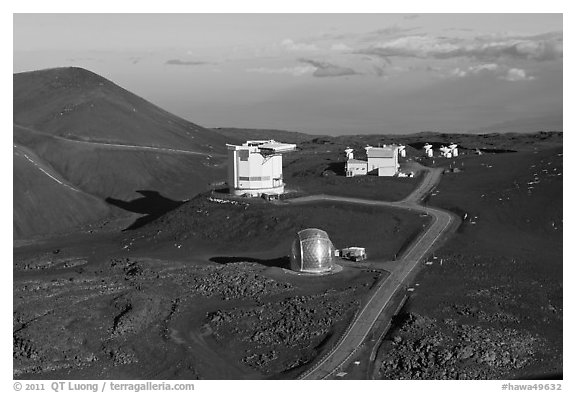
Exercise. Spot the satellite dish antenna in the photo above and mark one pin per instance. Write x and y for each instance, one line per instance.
(349, 153)
(402, 150)
(454, 149)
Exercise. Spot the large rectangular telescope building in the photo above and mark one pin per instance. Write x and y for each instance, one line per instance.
(255, 167)
(383, 160)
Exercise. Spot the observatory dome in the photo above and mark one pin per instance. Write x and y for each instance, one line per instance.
(312, 252)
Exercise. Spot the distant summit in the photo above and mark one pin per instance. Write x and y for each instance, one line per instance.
(79, 140)
(78, 104)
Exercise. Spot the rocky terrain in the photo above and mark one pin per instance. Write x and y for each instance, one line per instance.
(425, 348)
(113, 319)
(294, 326)
(91, 318)
(489, 303)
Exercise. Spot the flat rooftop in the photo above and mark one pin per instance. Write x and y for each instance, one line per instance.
(277, 146)
(381, 152)
(264, 146)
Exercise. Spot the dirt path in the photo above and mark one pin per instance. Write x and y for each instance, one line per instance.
(442, 222)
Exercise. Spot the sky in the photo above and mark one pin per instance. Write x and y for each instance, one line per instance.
(319, 73)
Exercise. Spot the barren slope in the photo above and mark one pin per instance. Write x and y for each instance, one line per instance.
(76, 103)
(43, 200)
(80, 125)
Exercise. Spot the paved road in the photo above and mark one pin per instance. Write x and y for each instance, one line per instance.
(442, 221)
(44, 169)
(137, 147)
(119, 145)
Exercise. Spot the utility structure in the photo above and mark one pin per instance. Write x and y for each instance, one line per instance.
(255, 167)
(355, 254)
(382, 161)
(428, 150)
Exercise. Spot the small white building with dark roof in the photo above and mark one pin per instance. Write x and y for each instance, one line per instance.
(356, 167)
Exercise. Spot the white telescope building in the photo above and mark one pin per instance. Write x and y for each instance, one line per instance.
(255, 167)
(383, 160)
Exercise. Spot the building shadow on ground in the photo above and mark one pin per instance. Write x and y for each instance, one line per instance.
(222, 190)
(152, 204)
(283, 262)
(338, 168)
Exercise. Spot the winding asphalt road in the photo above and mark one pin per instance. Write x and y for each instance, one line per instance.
(442, 222)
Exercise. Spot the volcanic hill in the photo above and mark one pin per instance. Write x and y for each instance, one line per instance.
(81, 130)
(78, 104)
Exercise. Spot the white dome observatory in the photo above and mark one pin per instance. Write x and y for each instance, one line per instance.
(312, 252)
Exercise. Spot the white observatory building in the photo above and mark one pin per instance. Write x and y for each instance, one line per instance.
(383, 160)
(255, 167)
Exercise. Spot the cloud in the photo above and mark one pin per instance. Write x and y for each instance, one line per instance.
(186, 62)
(340, 47)
(474, 70)
(517, 74)
(379, 71)
(290, 45)
(483, 67)
(489, 48)
(509, 74)
(420, 46)
(459, 73)
(294, 71)
(385, 33)
(325, 69)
